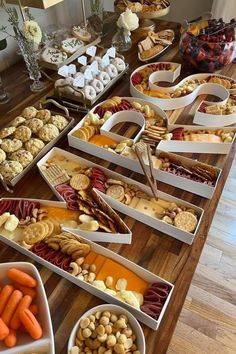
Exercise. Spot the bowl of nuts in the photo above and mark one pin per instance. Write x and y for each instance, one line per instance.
(107, 329)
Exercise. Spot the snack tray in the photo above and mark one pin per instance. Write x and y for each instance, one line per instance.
(148, 15)
(174, 146)
(71, 58)
(25, 345)
(141, 272)
(207, 88)
(125, 238)
(157, 224)
(49, 145)
(115, 310)
(82, 99)
(158, 54)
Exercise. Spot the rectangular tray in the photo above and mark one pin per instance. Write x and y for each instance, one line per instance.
(199, 147)
(145, 274)
(90, 103)
(157, 224)
(95, 236)
(47, 147)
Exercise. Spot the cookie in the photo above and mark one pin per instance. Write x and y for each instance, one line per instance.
(53, 55)
(36, 232)
(17, 121)
(11, 145)
(29, 112)
(6, 132)
(34, 146)
(23, 133)
(48, 132)
(44, 115)
(80, 182)
(71, 45)
(35, 124)
(185, 221)
(2, 155)
(116, 192)
(22, 156)
(59, 121)
(10, 169)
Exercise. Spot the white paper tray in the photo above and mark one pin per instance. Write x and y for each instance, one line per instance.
(141, 272)
(183, 101)
(157, 224)
(25, 344)
(197, 147)
(95, 236)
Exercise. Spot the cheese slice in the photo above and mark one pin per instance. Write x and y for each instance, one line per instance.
(205, 138)
(117, 271)
(60, 214)
(134, 202)
(149, 208)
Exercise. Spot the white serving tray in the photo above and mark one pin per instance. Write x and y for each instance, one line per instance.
(183, 101)
(95, 236)
(191, 186)
(157, 224)
(197, 147)
(141, 272)
(118, 310)
(25, 344)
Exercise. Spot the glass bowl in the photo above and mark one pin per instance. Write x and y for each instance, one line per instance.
(206, 56)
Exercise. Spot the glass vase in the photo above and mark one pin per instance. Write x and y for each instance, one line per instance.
(30, 56)
(4, 95)
(96, 19)
(122, 41)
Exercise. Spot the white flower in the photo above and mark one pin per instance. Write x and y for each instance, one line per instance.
(128, 20)
(32, 31)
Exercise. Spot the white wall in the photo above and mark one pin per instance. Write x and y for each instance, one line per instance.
(70, 12)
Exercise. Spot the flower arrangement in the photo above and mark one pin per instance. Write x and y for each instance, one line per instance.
(129, 21)
(28, 38)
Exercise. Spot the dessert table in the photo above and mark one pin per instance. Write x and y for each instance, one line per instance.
(153, 250)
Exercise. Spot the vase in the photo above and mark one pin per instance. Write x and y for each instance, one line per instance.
(96, 19)
(30, 56)
(122, 41)
(4, 95)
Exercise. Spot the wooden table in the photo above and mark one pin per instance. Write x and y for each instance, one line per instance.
(153, 250)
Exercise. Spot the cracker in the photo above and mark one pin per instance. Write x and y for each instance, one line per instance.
(56, 175)
(80, 182)
(36, 232)
(116, 192)
(186, 221)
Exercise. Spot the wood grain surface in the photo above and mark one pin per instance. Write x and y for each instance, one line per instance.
(153, 250)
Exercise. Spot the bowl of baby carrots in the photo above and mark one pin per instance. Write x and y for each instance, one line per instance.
(25, 322)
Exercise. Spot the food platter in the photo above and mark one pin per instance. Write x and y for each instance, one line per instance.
(42, 149)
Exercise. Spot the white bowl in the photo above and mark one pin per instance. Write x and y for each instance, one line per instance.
(25, 344)
(116, 310)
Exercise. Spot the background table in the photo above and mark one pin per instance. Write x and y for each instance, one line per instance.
(153, 250)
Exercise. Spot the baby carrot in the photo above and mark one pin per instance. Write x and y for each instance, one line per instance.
(23, 304)
(10, 340)
(31, 324)
(4, 296)
(4, 330)
(26, 291)
(34, 309)
(21, 278)
(11, 306)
